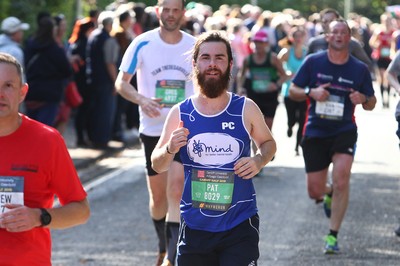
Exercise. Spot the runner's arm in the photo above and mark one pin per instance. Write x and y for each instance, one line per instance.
(173, 137)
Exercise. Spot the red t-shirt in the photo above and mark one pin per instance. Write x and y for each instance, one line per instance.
(37, 153)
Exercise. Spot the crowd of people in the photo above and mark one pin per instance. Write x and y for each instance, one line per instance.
(165, 69)
(59, 61)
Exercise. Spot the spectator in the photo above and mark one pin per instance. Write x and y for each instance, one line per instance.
(264, 23)
(101, 69)
(47, 70)
(237, 31)
(12, 37)
(123, 35)
(78, 42)
(64, 112)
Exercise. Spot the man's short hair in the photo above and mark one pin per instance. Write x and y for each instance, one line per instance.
(341, 20)
(11, 60)
(160, 2)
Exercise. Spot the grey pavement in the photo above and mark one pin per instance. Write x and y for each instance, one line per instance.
(87, 157)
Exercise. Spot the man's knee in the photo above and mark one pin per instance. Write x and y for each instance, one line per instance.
(341, 184)
(315, 192)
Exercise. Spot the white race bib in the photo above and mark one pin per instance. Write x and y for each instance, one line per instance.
(332, 109)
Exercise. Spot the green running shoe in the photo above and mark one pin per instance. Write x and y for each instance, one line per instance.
(331, 245)
(327, 205)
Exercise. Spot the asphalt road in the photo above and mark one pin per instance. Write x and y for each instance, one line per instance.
(120, 231)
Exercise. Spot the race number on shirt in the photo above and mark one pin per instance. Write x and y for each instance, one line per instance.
(212, 189)
(332, 108)
(170, 91)
(11, 191)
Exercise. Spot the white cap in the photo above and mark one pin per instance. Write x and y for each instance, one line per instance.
(12, 24)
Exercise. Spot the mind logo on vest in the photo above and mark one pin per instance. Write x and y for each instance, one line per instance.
(214, 149)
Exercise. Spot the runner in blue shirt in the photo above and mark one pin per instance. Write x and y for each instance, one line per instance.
(212, 131)
(333, 82)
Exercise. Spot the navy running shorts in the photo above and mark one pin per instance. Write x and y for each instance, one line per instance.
(235, 247)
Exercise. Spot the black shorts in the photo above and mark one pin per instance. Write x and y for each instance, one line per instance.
(383, 63)
(267, 102)
(238, 246)
(318, 152)
(149, 143)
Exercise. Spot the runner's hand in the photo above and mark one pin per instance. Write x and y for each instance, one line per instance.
(151, 107)
(320, 94)
(357, 97)
(178, 138)
(19, 218)
(246, 167)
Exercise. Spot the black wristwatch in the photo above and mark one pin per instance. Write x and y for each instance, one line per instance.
(307, 91)
(45, 217)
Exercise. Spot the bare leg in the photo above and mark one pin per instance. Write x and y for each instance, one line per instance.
(316, 184)
(174, 194)
(341, 187)
(158, 205)
(157, 187)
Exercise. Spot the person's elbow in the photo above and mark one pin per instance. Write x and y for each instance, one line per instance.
(118, 84)
(84, 212)
(157, 168)
(272, 147)
(292, 93)
(157, 164)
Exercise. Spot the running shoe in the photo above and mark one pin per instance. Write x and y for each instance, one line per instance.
(160, 258)
(166, 262)
(327, 205)
(331, 245)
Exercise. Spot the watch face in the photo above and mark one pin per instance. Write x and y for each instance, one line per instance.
(45, 217)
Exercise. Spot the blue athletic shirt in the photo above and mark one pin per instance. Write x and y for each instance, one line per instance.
(214, 198)
(335, 115)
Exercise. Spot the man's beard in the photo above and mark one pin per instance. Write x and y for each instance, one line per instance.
(213, 87)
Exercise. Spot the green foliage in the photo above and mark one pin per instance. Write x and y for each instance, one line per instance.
(27, 10)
